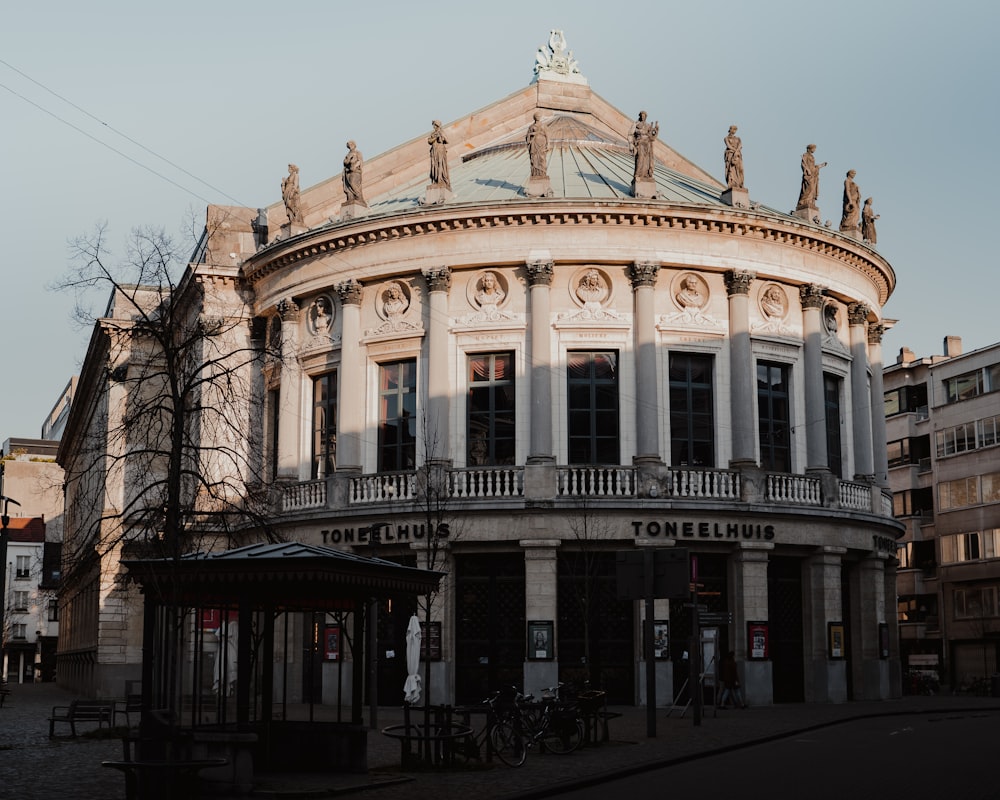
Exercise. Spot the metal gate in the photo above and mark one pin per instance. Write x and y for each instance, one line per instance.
(784, 612)
(592, 617)
(489, 624)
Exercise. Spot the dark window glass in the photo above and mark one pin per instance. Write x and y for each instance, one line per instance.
(592, 396)
(491, 409)
(773, 417)
(692, 427)
(274, 398)
(831, 389)
(397, 432)
(324, 448)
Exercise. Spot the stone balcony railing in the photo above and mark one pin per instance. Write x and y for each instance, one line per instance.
(539, 483)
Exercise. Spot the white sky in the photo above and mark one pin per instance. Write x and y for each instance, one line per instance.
(232, 91)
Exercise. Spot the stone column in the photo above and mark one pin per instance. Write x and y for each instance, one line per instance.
(539, 282)
(749, 567)
(871, 672)
(895, 659)
(290, 396)
(861, 398)
(826, 679)
(880, 454)
(812, 298)
(350, 391)
(438, 445)
(540, 602)
(741, 370)
(643, 278)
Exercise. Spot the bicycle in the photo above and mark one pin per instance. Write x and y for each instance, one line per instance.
(501, 734)
(554, 723)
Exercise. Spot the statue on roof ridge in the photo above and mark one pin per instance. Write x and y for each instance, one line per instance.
(439, 156)
(290, 195)
(555, 62)
(353, 164)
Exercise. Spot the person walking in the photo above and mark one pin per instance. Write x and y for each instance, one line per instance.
(731, 689)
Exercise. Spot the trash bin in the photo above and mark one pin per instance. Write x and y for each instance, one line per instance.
(995, 684)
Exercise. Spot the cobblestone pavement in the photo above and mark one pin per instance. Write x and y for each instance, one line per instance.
(33, 767)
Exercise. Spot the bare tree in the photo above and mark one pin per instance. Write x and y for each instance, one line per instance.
(160, 455)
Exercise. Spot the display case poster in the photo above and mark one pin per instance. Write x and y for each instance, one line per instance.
(661, 639)
(540, 645)
(883, 640)
(837, 644)
(433, 641)
(757, 641)
(331, 642)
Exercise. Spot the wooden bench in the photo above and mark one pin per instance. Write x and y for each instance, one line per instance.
(98, 711)
(130, 705)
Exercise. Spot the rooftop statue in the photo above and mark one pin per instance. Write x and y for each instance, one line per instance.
(868, 217)
(538, 147)
(734, 160)
(290, 195)
(439, 156)
(556, 58)
(641, 141)
(851, 216)
(809, 192)
(353, 163)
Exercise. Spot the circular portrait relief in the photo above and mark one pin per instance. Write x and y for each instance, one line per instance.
(690, 292)
(773, 302)
(321, 316)
(590, 287)
(393, 301)
(488, 291)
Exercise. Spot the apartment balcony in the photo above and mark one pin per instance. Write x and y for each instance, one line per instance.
(546, 484)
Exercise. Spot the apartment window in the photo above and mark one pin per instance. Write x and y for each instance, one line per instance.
(834, 450)
(989, 429)
(19, 630)
(906, 399)
(22, 567)
(976, 603)
(53, 610)
(917, 607)
(324, 444)
(397, 431)
(774, 417)
(973, 546)
(972, 384)
(913, 502)
(20, 601)
(692, 423)
(958, 493)
(592, 394)
(490, 415)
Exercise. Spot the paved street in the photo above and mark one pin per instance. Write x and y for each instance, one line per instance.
(34, 768)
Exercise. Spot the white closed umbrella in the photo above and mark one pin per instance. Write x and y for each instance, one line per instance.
(411, 689)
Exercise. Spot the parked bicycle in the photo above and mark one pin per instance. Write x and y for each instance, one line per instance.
(500, 734)
(554, 722)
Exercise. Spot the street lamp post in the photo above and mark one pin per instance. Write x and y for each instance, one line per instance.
(4, 522)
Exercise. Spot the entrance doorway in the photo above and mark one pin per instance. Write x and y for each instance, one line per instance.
(489, 624)
(784, 613)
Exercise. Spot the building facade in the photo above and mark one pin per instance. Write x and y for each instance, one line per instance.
(944, 466)
(537, 338)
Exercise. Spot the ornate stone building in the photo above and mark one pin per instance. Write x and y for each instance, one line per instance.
(519, 349)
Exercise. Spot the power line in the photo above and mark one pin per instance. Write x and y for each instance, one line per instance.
(116, 131)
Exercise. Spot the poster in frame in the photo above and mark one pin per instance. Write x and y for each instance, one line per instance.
(758, 641)
(540, 647)
(883, 640)
(432, 642)
(661, 639)
(835, 636)
(331, 642)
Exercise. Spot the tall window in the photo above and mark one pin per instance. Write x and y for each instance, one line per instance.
(692, 426)
(20, 601)
(831, 391)
(53, 610)
(592, 391)
(23, 567)
(397, 416)
(774, 417)
(274, 408)
(324, 448)
(491, 409)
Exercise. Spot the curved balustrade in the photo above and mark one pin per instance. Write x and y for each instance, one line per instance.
(596, 482)
(486, 482)
(302, 496)
(507, 482)
(794, 490)
(385, 487)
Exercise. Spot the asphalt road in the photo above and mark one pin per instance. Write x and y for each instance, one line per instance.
(952, 756)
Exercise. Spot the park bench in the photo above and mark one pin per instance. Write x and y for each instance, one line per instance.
(4, 691)
(98, 711)
(132, 704)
